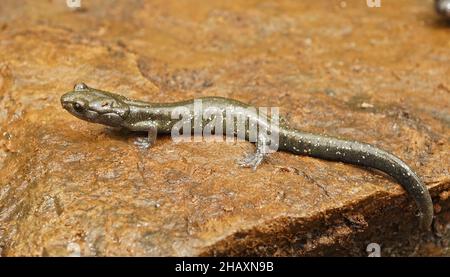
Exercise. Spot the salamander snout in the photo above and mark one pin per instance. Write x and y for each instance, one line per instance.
(75, 105)
(78, 107)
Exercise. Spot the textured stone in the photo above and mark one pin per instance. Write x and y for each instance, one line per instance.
(68, 187)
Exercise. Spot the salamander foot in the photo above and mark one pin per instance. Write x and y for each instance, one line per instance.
(142, 143)
(252, 160)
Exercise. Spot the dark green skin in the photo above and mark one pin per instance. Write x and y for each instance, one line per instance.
(155, 118)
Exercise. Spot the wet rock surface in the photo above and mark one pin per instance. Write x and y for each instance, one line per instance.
(377, 75)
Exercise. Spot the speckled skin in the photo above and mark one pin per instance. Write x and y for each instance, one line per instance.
(155, 118)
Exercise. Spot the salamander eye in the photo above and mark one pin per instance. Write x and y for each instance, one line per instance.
(80, 87)
(78, 107)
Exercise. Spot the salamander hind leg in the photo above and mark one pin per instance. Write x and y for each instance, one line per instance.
(253, 160)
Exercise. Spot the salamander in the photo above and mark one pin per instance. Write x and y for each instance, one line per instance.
(97, 106)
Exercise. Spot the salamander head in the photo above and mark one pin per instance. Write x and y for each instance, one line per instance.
(95, 105)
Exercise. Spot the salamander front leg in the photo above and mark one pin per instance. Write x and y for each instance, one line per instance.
(148, 141)
(253, 160)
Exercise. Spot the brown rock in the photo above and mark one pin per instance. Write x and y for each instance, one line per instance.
(68, 187)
